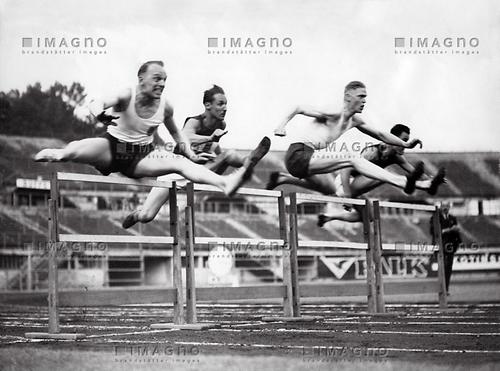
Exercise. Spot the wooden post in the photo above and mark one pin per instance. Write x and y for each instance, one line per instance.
(190, 279)
(443, 300)
(106, 267)
(190, 201)
(377, 258)
(287, 273)
(6, 287)
(53, 247)
(176, 257)
(370, 271)
(20, 277)
(142, 265)
(294, 266)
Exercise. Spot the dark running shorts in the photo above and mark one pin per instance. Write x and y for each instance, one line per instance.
(124, 156)
(297, 159)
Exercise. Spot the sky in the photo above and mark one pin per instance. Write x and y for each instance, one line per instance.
(450, 101)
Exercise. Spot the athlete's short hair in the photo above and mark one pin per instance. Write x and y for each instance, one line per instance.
(145, 66)
(354, 85)
(399, 129)
(208, 95)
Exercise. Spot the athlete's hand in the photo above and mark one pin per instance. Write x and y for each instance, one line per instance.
(218, 133)
(414, 142)
(280, 132)
(202, 158)
(106, 119)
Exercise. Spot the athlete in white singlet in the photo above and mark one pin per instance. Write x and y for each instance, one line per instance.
(304, 161)
(128, 148)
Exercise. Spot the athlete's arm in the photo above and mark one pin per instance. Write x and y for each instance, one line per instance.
(406, 166)
(180, 138)
(119, 102)
(318, 115)
(193, 125)
(158, 140)
(190, 131)
(385, 137)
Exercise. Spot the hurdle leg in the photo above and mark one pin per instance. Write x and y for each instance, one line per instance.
(53, 276)
(176, 257)
(190, 285)
(287, 270)
(53, 246)
(178, 322)
(370, 269)
(443, 299)
(377, 258)
(191, 317)
(294, 264)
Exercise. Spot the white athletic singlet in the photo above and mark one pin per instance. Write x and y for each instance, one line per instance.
(131, 128)
(318, 135)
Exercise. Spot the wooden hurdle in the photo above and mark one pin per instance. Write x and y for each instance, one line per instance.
(287, 291)
(322, 290)
(56, 239)
(438, 286)
(290, 291)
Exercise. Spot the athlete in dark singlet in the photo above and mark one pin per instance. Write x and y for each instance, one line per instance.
(206, 130)
(353, 184)
(203, 132)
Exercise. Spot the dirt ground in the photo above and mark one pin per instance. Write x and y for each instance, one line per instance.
(463, 336)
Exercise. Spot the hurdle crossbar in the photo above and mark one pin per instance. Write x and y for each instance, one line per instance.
(242, 191)
(89, 178)
(410, 248)
(402, 205)
(238, 241)
(330, 199)
(111, 238)
(335, 244)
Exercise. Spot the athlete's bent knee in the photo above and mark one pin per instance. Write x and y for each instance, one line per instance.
(232, 157)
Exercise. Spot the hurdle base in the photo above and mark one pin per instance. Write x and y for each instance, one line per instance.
(292, 319)
(54, 336)
(185, 326)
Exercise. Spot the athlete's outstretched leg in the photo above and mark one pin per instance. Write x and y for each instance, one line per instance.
(225, 160)
(319, 165)
(346, 216)
(91, 151)
(148, 211)
(323, 183)
(156, 165)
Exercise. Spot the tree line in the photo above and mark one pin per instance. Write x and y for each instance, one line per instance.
(45, 113)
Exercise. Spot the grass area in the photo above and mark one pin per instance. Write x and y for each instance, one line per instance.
(22, 358)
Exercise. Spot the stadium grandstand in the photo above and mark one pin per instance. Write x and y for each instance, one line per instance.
(473, 186)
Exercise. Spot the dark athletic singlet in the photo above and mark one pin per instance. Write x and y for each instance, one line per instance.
(202, 130)
(374, 155)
